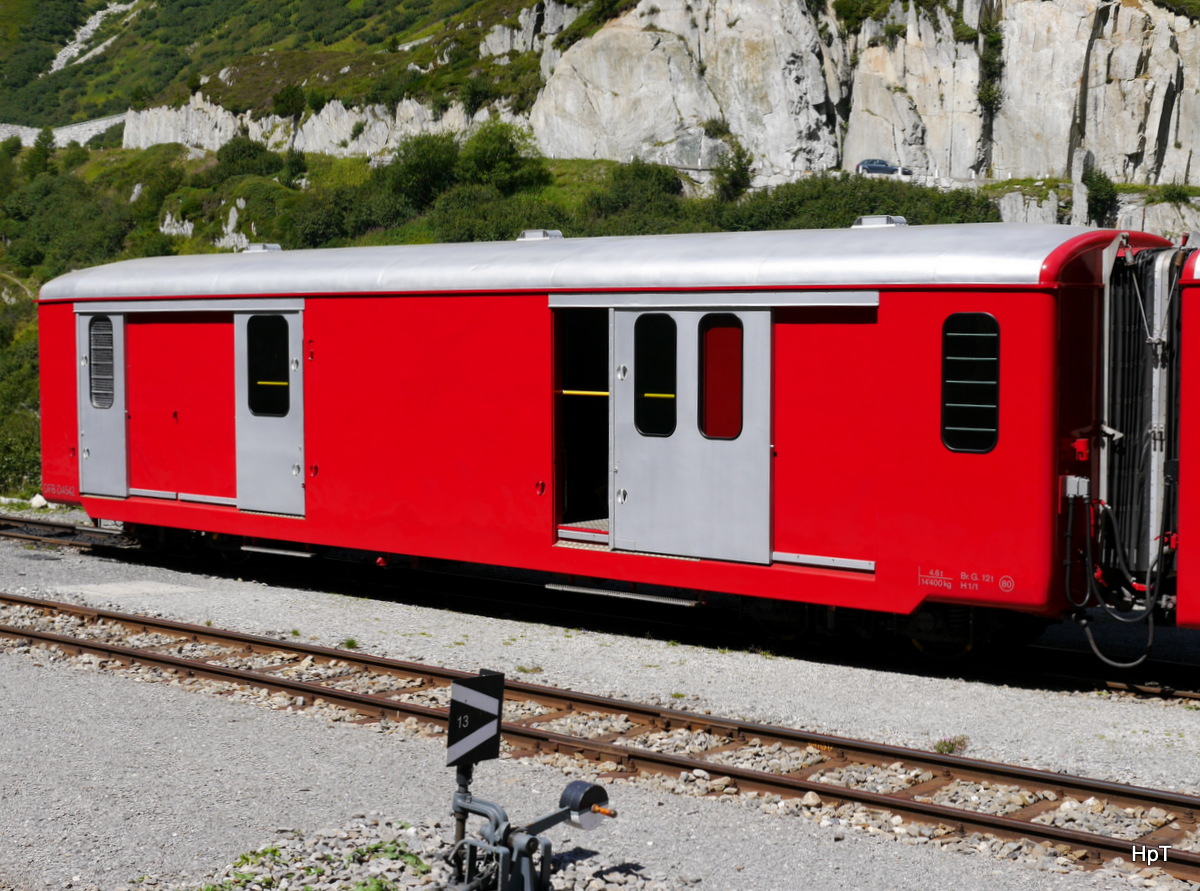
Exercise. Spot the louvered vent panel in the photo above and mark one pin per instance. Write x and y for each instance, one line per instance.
(970, 382)
(100, 362)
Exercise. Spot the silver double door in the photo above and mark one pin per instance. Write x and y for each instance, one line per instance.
(692, 433)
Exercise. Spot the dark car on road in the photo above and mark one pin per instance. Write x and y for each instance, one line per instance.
(878, 165)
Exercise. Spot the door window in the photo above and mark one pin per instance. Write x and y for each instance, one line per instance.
(720, 411)
(267, 363)
(654, 350)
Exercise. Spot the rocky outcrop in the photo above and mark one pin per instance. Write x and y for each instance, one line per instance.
(1114, 84)
(536, 28)
(1169, 220)
(230, 238)
(645, 85)
(1016, 207)
(1117, 80)
(335, 130)
(199, 124)
(914, 99)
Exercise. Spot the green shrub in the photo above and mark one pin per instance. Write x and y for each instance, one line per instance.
(990, 96)
(855, 12)
(991, 67)
(834, 201)
(964, 33)
(481, 212)
(289, 102)
(20, 447)
(240, 156)
(474, 94)
(74, 156)
(20, 453)
(651, 189)
(423, 168)
(1169, 193)
(317, 100)
(295, 165)
(499, 154)
(716, 128)
(150, 243)
(734, 173)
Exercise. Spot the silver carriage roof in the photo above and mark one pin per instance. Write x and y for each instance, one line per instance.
(985, 253)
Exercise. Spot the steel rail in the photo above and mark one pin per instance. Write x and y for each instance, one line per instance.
(1091, 849)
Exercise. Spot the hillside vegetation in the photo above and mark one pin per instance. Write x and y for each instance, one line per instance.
(359, 51)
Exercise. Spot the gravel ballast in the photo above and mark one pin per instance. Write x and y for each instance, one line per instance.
(107, 779)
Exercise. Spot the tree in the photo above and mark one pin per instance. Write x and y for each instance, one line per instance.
(38, 159)
(1101, 197)
(289, 102)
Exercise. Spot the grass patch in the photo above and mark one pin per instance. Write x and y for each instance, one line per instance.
(1039, 189)
(951, 745)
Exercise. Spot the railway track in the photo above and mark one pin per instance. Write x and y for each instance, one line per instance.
(931, 794)
(1155, 679)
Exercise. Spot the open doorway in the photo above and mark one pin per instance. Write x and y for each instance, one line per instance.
(581, 357)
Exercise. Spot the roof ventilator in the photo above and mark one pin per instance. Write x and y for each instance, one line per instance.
(259, 247)
(539, 234)
(875, 220)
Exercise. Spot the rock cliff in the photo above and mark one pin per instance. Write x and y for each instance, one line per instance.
(1112, 83)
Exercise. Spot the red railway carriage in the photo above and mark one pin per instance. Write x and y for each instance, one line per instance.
(911, 421)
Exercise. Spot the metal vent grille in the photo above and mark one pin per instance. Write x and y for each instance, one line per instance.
(100, 362)
(970, 382)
